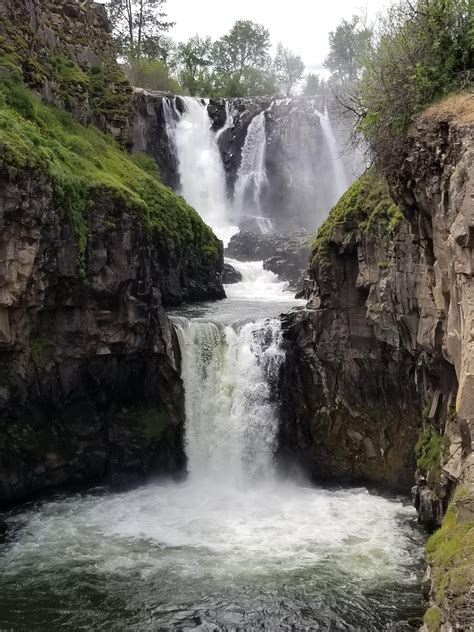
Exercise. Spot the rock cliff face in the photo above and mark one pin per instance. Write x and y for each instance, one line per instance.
(92, 248)
(65, 52)
(378, 376)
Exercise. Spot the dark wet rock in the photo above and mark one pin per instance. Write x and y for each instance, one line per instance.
(3, 528)
(284, 255)
(230, 275)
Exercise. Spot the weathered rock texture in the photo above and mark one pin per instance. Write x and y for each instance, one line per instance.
(65, 52)
(89, 366)
(384, 348)
(89, 378)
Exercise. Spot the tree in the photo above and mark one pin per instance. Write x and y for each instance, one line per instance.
(245, 46)
(289, 69)
(139, 27)
(312, 85)
(194, 59)
(151, 74)
(348, 44)
(423, 51)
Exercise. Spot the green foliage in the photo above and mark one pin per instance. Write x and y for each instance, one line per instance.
(424, 50)
(69, 72)
(312, 85)
(245, 46)
(151, 74)
(366, 206)
(289, 69)
(194, 58)
(82, 163)
(432, 619)
(37, 351)
(450, 553)
(428, 450)
(139, 27)
(348, 47)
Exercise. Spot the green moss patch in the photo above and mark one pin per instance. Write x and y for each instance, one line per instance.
(365, 206)
(429, 448)
(432, 619)
(155, 422)
(84, 163)
(450, 553)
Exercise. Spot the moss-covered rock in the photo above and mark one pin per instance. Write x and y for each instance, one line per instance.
(364, 207)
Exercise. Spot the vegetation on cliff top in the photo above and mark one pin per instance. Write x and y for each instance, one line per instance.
(366, 206)
(83, 162)
(421, 51)
(450, 554)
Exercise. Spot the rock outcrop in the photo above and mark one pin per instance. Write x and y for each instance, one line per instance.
(93, 247)
(377, 380)
(284, 255)
(65, 53)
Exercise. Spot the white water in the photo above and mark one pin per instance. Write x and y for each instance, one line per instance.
(231, 421)
(340, 180)
(252, 177)
(200, 168)
(229, 121)
(234, 546)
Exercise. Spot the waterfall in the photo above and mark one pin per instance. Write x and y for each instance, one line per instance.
(231, 420)
(340, 180)
(200, 167)
(252, 177)
(229, 120)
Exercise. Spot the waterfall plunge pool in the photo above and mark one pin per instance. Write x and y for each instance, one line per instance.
(234, 547)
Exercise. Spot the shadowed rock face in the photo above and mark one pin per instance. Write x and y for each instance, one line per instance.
(90, 387)
(385, 332)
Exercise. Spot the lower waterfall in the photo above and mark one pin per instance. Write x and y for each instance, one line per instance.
(231, 420)
(235, 545)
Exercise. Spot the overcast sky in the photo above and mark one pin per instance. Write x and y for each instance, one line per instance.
(302, 25)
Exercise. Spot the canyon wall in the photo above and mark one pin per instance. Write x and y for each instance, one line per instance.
(378, 375)
(92, 248)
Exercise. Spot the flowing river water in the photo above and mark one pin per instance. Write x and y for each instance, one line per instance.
(235, 546)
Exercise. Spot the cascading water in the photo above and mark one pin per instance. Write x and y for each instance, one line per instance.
(233, 547)
(231, 419)
(252, 177)
(340, 181)
(200, 167)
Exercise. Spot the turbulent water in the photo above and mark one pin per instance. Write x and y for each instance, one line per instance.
(235, 546)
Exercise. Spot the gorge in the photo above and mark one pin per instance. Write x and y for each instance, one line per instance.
(176, 453)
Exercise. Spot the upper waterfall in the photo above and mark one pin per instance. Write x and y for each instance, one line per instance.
(200, 167)
(252, 175)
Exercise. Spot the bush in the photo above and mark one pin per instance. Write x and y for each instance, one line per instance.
(423, 51)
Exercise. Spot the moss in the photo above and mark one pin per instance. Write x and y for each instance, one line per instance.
(366, 206)
(450, 553)
(68, 71)
(429, 448)
(432, 619)
(382, 265)
(155, 422)
(83, 163)
(37, 352)
(110, 91)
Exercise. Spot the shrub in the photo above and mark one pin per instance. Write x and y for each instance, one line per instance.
(423, 51)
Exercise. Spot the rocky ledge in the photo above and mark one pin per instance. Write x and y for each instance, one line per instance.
(284, 255)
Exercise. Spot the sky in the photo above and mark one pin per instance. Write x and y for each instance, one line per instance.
(302, 25)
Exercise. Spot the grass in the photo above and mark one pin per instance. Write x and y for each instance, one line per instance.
(450, 553)
(84, 163)
(429, 448)
(366, 206)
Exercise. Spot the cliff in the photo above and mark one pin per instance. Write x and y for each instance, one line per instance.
(92, 248)
(378, 376)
